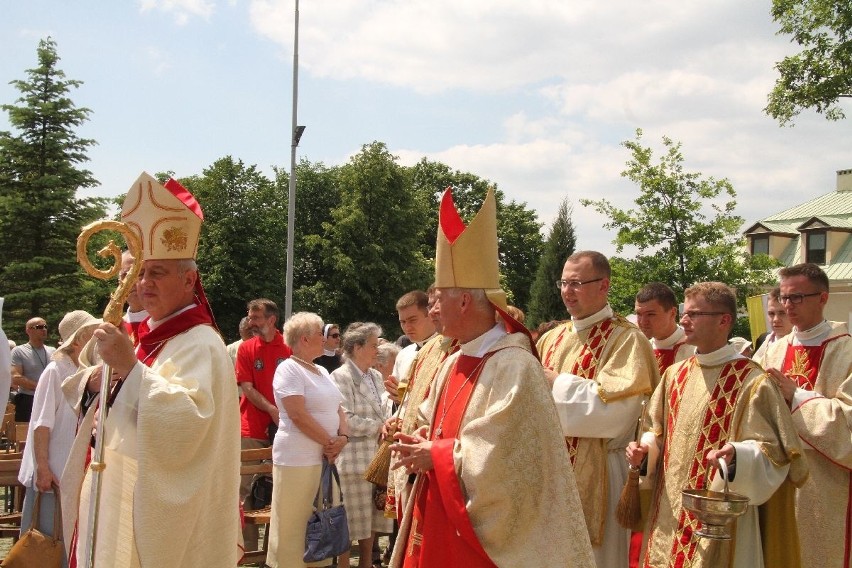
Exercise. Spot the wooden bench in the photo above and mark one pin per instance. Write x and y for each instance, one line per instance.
(10, 522)
(260, 516)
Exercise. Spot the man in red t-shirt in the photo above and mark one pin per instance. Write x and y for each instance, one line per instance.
(257, 359)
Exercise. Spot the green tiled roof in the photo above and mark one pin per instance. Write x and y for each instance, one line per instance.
(776, 227)
(836, 203)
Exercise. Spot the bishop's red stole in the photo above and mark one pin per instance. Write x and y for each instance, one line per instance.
(151, 342)
(132, 328)
(441, 533)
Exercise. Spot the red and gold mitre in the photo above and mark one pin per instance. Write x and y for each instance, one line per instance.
(466, 257)
(166, 217)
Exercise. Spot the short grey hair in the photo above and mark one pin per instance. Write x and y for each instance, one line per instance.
(300, 325)
(356, 335)
(478, 295)
(187, 264)
(387, 351)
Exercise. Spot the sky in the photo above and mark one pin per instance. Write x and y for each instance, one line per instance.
(535, 96)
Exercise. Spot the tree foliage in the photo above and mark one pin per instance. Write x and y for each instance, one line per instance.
(821, 73)
(364, 235)
(683, 227)
(40, 213)
(241, 253)
(372, 242)
(545, 301)
(317, 195)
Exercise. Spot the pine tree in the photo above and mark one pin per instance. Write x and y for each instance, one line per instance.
(545, 300)
(40, 214)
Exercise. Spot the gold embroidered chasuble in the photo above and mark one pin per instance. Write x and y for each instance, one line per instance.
(518, 489)
(698, 408)
(822, 414)
(618, 358)
(421, 373)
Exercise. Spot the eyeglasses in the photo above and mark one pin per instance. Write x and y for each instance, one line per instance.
(691, 315)
(43, 326)
(574, 284)
(334, 335)
(796, 298)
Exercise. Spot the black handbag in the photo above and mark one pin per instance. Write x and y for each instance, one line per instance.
(261, 491)
(327, 533)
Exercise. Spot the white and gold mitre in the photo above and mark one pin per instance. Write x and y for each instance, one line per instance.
(466, 257)
(166, 217)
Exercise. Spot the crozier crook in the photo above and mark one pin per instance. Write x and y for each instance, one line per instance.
(112, 314)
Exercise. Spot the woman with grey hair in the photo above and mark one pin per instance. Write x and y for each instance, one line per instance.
(386, 357)
(366, 410)
(311, 426)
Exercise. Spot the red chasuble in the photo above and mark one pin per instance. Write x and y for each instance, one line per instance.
(441, 533)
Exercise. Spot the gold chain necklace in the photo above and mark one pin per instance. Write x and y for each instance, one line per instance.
(446, 407)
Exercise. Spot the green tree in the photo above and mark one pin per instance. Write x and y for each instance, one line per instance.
(819, 75)
(241, 253)
(372, 243)
(545, 300)
(677, 242)
(40, 213)
(317, 195)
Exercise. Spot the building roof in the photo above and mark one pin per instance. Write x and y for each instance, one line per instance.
(832, 211)
(827, 221)
(774, 228)
(836, 203)
(841, 266)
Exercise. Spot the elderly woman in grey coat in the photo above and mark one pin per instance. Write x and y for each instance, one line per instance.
(366, 410)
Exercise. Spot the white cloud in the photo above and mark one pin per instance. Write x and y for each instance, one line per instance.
(183, 10)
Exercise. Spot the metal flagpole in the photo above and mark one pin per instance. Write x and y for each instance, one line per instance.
(296, 134)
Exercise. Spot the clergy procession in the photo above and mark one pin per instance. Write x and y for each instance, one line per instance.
(612, 442)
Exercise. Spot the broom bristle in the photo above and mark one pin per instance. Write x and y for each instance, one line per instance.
(377, 471)
(628, 512)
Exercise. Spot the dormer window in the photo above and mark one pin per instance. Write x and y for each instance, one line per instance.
(816, 244)
(759, 244)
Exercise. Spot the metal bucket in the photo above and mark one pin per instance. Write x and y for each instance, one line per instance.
(715, 509)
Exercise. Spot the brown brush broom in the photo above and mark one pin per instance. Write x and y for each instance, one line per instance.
(628, 512)
(377, 471)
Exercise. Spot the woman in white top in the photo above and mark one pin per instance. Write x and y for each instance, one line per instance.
(366, 410)
(53, 423)
(311, 426)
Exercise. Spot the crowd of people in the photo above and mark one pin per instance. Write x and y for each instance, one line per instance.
(505, 449)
